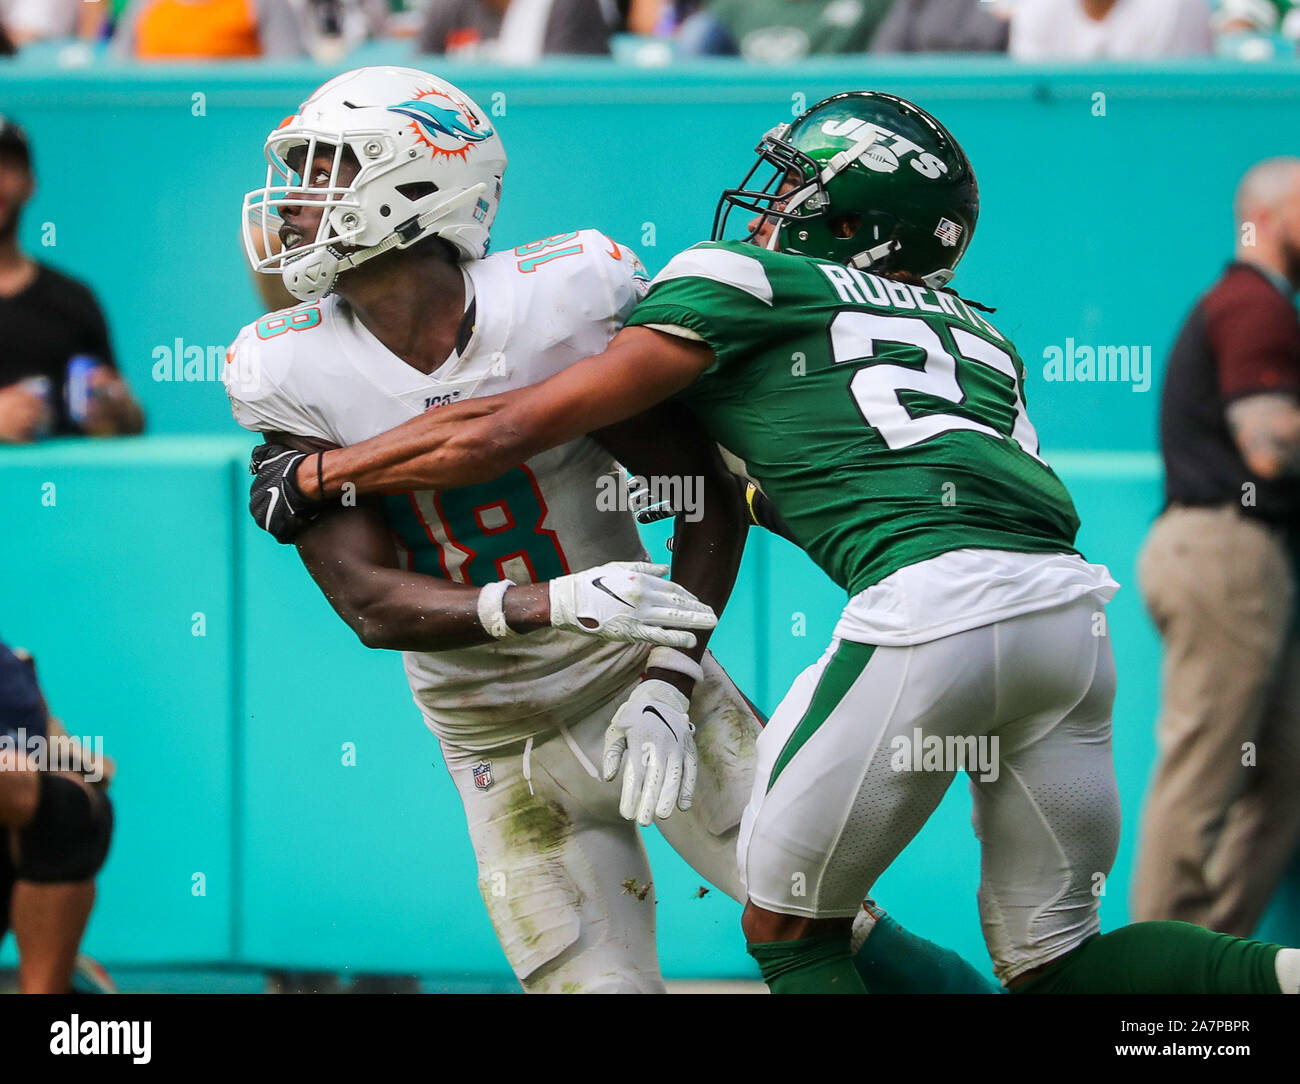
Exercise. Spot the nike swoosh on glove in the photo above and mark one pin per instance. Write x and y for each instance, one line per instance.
(629, 601)
(275, 502)
(652, 736)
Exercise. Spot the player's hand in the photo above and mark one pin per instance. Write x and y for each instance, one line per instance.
(630, 601)
(277, 505)
(653, 738)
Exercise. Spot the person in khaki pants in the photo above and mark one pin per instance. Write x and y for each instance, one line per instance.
(1222, 818)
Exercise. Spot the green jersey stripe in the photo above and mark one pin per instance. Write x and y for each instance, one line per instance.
(843, 669)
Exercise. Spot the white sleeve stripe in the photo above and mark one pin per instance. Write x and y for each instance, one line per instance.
(676, 329)
(720, 265)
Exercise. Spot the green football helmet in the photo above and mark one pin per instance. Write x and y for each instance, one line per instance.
(865, 179)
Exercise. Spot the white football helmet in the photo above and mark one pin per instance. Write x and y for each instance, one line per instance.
(430, 165)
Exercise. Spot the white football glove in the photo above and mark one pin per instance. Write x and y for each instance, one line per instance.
(653, 738)
(630, 601)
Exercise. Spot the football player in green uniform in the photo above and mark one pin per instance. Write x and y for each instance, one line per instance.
(884, 418)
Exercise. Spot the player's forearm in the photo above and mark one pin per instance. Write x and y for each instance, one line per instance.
(708, 550)
(707, 554)
(422, 614)
(480, 439)
(452, 446)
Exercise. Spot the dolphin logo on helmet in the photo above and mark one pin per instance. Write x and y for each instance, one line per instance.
(435, 121)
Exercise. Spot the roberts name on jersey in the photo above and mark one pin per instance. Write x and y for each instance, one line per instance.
(316, 371)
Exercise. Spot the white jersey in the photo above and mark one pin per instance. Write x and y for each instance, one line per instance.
(315, 371)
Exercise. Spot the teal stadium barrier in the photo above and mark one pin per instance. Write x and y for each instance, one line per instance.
(243, 838)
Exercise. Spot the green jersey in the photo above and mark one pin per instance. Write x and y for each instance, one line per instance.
(776, 31)
(885, 421)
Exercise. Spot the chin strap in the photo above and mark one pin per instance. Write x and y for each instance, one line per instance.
(328, 266)
(863, 261)
(873, 256)
(837, 165)
(411, 229)
(847, 157)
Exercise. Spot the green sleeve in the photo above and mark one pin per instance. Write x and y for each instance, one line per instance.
(719, 292)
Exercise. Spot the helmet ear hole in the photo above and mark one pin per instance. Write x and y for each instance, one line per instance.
(416, 190)
(844, 227)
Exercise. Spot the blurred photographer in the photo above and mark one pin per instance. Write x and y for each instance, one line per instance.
(55, 828)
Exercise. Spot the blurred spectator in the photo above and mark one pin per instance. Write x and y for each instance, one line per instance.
(404, 18)
(943, 26)
(644, 16)
(517, 31)
(331, 28)
(658, 18)
(1251, 16)
(1109, 29)
(779, 31)
(208, 29)
(34, 20)
(1257, 29)
(1222, 819)
(56, 366)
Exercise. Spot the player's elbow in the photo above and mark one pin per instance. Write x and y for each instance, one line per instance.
(376, 629)
(369, 632)
(371, 618)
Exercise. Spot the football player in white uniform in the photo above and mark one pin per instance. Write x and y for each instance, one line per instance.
(525, 612)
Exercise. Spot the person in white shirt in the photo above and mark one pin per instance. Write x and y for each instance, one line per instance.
(1110, 29)
(35, 20)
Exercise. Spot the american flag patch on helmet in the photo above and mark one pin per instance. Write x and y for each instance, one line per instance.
(948, 232)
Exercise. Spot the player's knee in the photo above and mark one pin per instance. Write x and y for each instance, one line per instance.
(1052, 977)
(68, 838)
(760, 924)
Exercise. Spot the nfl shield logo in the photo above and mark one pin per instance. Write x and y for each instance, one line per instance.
(482, 774)
(948, 232)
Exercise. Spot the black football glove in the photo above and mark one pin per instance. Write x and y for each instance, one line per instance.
(276, 503)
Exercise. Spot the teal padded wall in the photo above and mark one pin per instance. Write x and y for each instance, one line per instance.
(133, 615)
